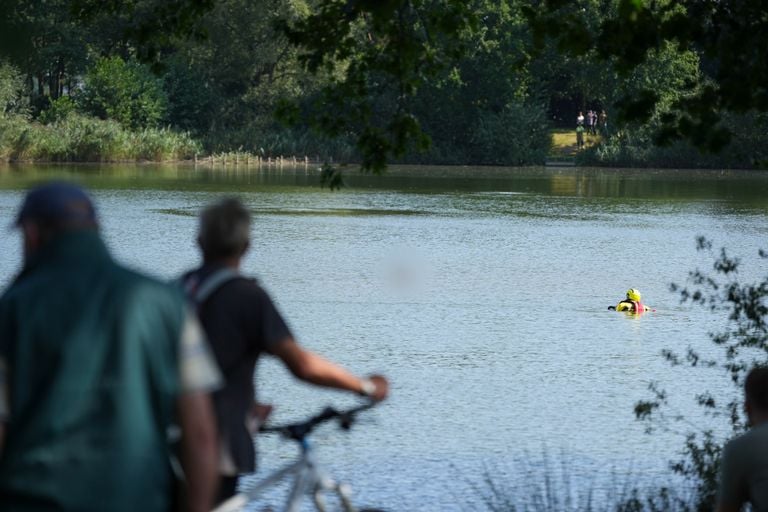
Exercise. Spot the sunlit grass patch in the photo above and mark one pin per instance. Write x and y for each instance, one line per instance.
(564, 142)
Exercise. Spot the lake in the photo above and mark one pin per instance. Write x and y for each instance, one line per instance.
(481, 292)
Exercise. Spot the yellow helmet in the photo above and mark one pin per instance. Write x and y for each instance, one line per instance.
(633, 294)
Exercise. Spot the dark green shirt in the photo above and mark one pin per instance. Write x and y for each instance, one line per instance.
(91, 356)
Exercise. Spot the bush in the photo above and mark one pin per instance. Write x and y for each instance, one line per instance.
(516, 136)
(58, 110)
(78, 138)
(163, 144)
(11, 128)
(125, 92)
(13, 98)
(634, 147)
(545, 485)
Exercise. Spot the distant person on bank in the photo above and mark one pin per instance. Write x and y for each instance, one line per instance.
(242, 323)
(744, 462)
(602, 123)
(96, 363)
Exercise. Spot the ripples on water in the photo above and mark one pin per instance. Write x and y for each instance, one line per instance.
(481, 293)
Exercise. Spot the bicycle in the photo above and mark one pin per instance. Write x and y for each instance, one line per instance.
(308, 476)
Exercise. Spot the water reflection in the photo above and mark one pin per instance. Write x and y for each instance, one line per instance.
(741, 187)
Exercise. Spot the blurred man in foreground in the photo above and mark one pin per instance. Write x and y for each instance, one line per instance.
(241, 322)
(744, 463)
(96, 363)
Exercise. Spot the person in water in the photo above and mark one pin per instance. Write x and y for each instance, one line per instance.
(632, 303)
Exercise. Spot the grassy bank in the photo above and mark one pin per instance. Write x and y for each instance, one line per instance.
(564, 144)
(79, 138)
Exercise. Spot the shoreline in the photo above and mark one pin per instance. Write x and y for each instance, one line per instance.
(432, 170)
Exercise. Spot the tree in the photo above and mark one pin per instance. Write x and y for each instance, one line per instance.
(12, 91)
(371, 58)
(49, 48)
(726, 35)
(226, 87)
(376, 54)
(126, 92)
(487, 110)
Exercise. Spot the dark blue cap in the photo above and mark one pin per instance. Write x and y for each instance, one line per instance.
(57, 202)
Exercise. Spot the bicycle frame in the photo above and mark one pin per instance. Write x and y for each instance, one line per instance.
(308, 477)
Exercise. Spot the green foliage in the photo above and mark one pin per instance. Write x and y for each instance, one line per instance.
(11, 129)
(225, 88)
(13, 100)
(634, 146)
(662, 500)
(727, 35)
(149, 27)
(78, 138)
(516, 135)
(742, 345)
(124, 91)
(483, 111)
(383, 81)
(543, 486)
(191, 101)
(376, 51)
(58, 110)
(666, 79)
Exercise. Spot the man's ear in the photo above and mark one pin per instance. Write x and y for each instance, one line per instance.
(32, 237)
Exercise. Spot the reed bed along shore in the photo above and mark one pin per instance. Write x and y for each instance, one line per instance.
(248, 159)
(86, 139)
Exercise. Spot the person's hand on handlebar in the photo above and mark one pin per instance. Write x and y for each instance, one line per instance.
(375, 387)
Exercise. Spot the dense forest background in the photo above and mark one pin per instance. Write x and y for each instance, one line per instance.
(78, 86)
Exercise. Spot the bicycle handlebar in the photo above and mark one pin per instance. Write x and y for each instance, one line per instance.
(298, 431)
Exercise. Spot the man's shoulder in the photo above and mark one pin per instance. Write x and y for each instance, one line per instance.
(230, 280)
(139, 278)
(750, 443)
(758, 433)
(245, 284)
(147, 287)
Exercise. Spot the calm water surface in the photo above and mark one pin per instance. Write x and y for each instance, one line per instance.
(481, 293)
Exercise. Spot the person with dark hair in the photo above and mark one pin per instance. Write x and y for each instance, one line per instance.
(242, 323)
(97, 363)
(602, 122)
(744, 463)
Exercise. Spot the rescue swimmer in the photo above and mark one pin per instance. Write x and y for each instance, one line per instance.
(632, 303)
